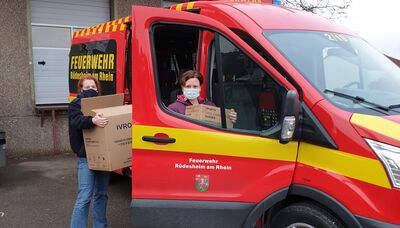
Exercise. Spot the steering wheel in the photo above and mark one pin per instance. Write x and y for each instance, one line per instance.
(350, 84)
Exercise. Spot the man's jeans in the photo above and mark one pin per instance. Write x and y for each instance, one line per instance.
(92, 185)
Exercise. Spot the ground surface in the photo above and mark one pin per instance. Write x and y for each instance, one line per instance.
(40, 192)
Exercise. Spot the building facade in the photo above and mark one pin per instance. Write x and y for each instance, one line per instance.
(34, 46)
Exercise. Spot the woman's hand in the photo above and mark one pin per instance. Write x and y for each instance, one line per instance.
(99, 120)
(233, 115)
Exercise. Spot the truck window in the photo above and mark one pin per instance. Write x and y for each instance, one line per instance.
(340, 71)
(248, 89)
(175, 51)
(98, 58)
(342, 64)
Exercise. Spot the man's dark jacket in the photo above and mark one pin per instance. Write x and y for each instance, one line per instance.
(77, 122)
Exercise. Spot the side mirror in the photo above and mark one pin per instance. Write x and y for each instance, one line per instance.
(290, 114)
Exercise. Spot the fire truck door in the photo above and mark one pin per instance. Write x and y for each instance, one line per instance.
(179, 158)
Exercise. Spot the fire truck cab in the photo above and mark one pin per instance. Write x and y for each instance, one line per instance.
(317, 137)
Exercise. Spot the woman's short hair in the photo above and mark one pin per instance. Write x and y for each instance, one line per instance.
(88, 77)
(188, 75)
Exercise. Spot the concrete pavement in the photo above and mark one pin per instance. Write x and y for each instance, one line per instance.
(40, 192)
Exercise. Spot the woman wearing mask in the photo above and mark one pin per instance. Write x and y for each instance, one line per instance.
(191, 82)
(92, 185)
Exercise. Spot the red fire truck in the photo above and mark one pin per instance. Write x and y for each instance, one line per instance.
(317, 138)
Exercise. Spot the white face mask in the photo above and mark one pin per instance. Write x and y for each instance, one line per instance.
(191, 93)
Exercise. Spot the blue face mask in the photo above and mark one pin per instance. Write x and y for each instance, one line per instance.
(90, 93)
(191, 93)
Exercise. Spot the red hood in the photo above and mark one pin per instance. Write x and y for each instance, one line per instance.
(384, 129)
(394, 118)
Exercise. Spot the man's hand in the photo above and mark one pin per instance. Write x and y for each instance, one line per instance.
(99, 120)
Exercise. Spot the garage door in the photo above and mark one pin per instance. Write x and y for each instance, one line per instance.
(53, 23)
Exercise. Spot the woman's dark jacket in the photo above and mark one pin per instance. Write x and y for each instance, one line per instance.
(77, 122)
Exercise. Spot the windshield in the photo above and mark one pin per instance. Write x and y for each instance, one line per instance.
(343, 68)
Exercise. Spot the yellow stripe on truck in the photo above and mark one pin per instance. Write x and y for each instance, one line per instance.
(378, 124)
(215, 143)
(346, 164)
(179, 7)
(111, 26)
(190, 6)
(70, 98)
(226, 144)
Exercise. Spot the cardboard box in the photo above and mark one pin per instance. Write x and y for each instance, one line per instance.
(88, 104)
(209, 114)
(109, 148)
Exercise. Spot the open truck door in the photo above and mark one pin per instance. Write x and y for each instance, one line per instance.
(190, 173)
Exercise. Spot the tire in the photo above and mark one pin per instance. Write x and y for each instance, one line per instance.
(304, 215)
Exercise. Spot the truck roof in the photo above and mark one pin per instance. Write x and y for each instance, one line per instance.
(269, 16)
(265, 16)
(107, 27)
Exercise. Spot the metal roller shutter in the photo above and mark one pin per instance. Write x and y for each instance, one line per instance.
(53, 22)
(70, 12)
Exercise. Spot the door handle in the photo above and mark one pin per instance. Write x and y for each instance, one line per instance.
(158, 140)
(42, 62)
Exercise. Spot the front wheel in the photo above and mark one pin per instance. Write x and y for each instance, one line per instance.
(304, 215)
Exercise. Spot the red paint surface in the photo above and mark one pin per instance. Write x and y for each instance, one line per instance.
(360, 198)
(247, 180)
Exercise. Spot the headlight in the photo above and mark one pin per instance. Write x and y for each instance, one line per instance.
(390, 156)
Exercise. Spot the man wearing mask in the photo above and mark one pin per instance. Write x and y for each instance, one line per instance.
(191, 82)
(92, 185)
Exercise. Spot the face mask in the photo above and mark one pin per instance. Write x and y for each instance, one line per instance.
(89, 93)
(191, 93)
